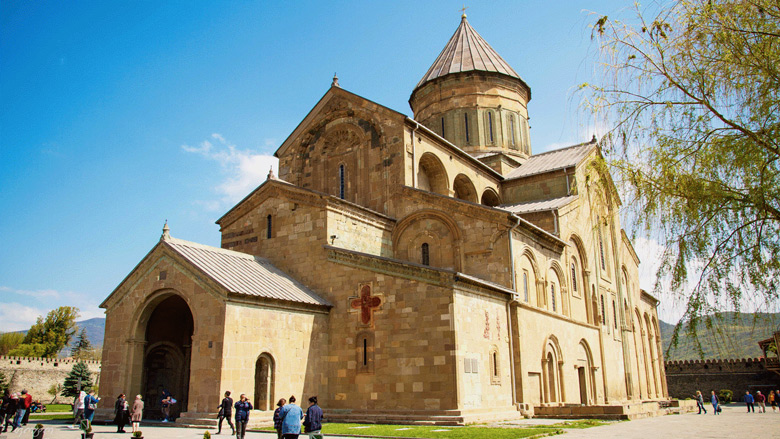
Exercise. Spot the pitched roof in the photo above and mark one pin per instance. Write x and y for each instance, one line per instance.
(242, 273)
(464, 52)
(538, 206)
(553, 160)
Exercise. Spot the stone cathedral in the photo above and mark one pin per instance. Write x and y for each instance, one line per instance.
(428, 269)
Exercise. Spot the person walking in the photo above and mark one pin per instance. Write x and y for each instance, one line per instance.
(7, 410)
(749, 402)
(120, 413)
(226, 412)
(313, 422)
(166, 407)
(760, 401)
(243, 407)
(90, 404)
(137, 412)
(771, 399)
(27, 403)
(278, 417)
(78, 407)
(700, 402)
(291, 419)
(715, 403)
(19, 411)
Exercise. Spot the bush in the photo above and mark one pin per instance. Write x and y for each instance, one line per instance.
(725, 396)
(207, 435)
(138, 434)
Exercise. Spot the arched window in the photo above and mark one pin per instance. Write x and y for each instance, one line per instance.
(426, 255)
(264, 382)
(341, 181)
(552, 296)
(268, 227)
(525, 285)
(466, 120)
(603, 313)
(495, 371)
(490, 125)
(573, 276)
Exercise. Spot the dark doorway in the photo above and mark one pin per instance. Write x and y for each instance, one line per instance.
(167, 357)
(583, 385)
(264, 382)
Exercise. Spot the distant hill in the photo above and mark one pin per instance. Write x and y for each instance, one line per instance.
(732, 335)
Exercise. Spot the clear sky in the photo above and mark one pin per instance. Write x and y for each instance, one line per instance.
(118, 115)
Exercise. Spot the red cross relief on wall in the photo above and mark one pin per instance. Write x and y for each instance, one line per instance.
(366, 303)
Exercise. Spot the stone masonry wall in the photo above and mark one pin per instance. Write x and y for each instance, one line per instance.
(37, 375)
(684, 378)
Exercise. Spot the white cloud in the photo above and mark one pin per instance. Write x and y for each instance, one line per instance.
(25, 308)
(243, 169)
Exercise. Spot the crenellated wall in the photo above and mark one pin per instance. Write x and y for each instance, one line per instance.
(684, 378)
(37, 375)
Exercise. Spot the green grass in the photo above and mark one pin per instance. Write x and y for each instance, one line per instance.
(49, 417)
(469, 432)
(581, 423)
(58, 408)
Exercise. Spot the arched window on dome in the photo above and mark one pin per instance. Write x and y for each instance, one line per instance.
(425, 256)
(466, 120)
(342, 173)
(490, 125)
(512, 131)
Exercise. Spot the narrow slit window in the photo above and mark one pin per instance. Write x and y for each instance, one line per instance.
(525, 285)
(341, 181)
(268, 226)
(495, 363)
(426, 256)
(466, 119)
(603, 312)
(573, 277)
(552, 296)
(490, 125)
(601, 245)
(442, 127)
(614, 314)
(365, 352)
(512, 128)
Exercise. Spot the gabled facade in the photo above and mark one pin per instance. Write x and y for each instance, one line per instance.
(430, 275)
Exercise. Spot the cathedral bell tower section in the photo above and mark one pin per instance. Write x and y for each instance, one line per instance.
(474, 99)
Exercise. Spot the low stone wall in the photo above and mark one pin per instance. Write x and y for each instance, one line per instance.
(684, 378)
(37, 375)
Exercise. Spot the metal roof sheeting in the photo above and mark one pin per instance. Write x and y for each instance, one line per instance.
(539, 206)
(552, 160)
(464, 52)
(243, 273)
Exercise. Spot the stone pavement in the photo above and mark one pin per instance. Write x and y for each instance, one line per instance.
(733, 422)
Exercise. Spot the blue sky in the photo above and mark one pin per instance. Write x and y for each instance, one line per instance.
(115, 116)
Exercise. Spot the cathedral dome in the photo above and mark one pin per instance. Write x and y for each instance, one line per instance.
(473, 97)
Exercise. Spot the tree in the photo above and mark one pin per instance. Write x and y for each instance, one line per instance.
(82, 349)
(9, 341)
(46, 338)
(54, 390)
(70, 387)
(692, 93)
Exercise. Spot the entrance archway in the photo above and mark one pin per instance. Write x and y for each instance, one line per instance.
(166, 367)
(264, 382)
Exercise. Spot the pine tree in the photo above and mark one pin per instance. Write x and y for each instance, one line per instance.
(71, 384)
(82, 349)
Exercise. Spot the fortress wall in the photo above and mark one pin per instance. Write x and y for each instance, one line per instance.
(37, 375)
(684, 378)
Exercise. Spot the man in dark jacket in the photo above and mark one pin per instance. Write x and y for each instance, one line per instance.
(7, 411)
(27, 403)
(226, 412)
(243, 407)
(313, 422)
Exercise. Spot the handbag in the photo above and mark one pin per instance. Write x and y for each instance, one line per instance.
(719, 409)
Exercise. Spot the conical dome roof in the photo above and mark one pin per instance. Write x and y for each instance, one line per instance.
(467, 51)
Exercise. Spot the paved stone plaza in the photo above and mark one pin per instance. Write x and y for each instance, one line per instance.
(733, 422)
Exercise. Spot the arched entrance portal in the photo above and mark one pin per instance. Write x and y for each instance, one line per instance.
(264, 382)
(167, 356)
